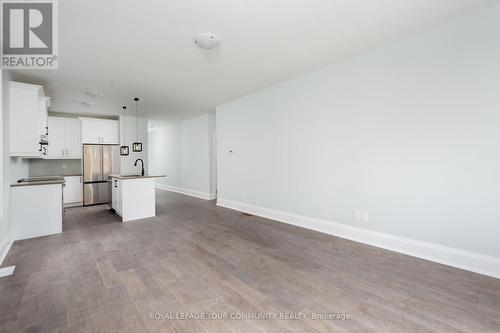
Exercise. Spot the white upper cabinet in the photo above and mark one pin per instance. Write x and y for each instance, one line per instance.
(28, 120)
(73, 138)
(64, 138)
(57, 143)
(100, 131)
(44, 118)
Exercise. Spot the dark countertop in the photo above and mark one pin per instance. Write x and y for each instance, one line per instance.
(34, 181)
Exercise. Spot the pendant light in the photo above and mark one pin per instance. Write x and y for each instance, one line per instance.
(136, 146)
(124, 150)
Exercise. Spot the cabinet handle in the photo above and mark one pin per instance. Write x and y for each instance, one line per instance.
(116, 181)
(46, 130)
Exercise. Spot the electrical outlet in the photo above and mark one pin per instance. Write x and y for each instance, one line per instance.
(366, 217)
(357, 215)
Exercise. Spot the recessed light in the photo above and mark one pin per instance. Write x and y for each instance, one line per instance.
(94, 93)
(207, 40)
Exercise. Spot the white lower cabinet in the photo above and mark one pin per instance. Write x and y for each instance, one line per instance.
(36, 210)
(134, 198)
(73, 191)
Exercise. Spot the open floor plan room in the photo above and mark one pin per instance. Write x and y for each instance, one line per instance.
(264, 166)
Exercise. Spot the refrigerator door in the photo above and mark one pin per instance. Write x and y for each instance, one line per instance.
(95, 193)
(102, 192)
(92, 163)
(110, 161)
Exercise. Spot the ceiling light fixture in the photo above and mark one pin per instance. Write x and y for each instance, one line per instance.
(136, 146)
(94, 93)
(88, 104)
(207, 40)
(124, 150)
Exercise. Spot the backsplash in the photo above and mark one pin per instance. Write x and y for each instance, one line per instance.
(55, 167)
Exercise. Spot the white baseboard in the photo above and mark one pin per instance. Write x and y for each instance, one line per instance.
(7, 271)
(5, 245)
(73, 204)
(197, 194)
(466, 260)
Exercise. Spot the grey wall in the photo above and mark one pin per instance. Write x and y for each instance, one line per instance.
(127, 162)
(184, 152)
(408, 133)
(39, 167)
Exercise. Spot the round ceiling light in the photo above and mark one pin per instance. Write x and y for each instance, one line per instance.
(207, 41)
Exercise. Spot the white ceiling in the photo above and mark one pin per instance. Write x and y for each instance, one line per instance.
(128, 48)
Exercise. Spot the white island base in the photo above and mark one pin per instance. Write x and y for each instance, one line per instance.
(133, 197)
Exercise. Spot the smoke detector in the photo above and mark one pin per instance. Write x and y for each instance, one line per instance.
(207, 40)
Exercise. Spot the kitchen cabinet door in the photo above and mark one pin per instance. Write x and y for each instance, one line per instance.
(100, 131)
(25, 119)
(73, 191)
(110, 134)
(57, 146)
(72, 138)
(90, 130)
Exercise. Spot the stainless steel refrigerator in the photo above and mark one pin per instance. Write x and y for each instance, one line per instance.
(99, 161)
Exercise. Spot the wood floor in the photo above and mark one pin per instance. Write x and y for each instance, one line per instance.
(104, 276)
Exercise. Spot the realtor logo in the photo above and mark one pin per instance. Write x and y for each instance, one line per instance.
(29, 34)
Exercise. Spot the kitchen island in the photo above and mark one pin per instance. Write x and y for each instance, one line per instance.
(133, 196)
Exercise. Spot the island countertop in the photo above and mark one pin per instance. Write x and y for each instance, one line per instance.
(135, 176)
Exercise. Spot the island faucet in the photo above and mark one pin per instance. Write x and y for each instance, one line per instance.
(142, 164)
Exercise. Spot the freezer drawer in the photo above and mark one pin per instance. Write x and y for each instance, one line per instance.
(95, 193)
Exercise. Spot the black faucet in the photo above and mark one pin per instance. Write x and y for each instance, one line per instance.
(142, 163)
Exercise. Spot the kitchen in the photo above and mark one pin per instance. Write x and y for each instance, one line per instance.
(75, 160)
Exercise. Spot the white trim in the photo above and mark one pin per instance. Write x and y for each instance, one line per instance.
(6, 271)
(196, 194)
(5, 246)
(73, 204)
(466, 260)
